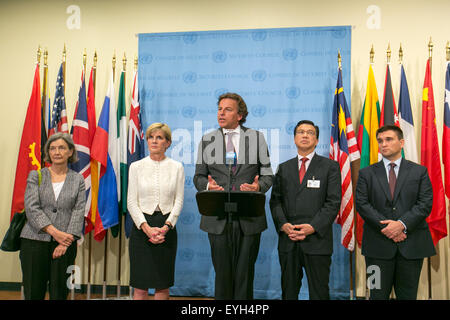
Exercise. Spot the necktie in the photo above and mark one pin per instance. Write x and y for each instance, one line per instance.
(392, 178)
(230, 148)
(301, 173)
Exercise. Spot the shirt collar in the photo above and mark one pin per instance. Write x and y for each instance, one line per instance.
(397, 162)
(235, 130)
(309, 156)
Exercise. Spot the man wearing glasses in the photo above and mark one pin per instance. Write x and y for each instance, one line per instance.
(306, 197)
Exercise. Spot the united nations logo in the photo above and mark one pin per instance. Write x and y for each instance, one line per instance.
(258, 111)
(189, 111)
(189, 77)
(262, 257)
(259, 35)
(190, 38)
(147, 94)
(339, 34)
(186, 254)
(259, 75)
(187, 218)
(290, 54)
(145, 58)
(188, 181)
(219, 56)
(292, 92)
(290, 127)
(220, 92)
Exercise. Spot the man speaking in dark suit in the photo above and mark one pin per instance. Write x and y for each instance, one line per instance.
(234, 239)
(394, 197)
(305, 200)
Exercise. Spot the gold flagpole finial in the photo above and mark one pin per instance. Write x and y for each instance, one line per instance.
(339, 60)
(135, 62)
(114, 60)
(430, 48)
(388, 53)
(64, 53)
(124, 61)
(84, 60)
(95, 59)
(372, 53)
(400, 54)
(45, 57)
(447, 49)
(39, 51)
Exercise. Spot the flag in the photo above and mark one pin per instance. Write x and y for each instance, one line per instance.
(92, 124)
(389, 115)
(30, 146)
(44, 107)
(406, 120)
(59, 115)
(446, 133)
(344, 149)
(135, 149)
(105, 151)
(430, 158)
(80, 135)
(122, 132)
(367, 140)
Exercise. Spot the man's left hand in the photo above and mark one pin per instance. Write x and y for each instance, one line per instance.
(251, 187)
(393, 228)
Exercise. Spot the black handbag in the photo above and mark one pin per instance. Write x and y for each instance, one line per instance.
(11, 241)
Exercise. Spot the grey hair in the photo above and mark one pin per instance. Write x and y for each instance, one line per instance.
(67, 139)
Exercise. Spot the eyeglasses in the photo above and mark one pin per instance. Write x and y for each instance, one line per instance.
(308, 132)
(59, 148)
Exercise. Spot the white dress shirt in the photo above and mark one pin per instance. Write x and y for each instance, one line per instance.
(309, 156)
(235, 138)
(155, 184)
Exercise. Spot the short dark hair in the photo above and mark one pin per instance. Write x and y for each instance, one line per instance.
(242, 106)
(307, 122)
(390, 127)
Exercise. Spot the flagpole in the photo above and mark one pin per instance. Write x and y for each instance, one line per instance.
(430, 53)
(64, 67)
(43, 100)
(124, 61)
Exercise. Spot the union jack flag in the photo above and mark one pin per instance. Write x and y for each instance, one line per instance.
(344, 149)
(59, 115)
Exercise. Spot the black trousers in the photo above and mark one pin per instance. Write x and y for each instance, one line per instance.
(234, 255)
(400, 273)
(39, 268)
(317, 269)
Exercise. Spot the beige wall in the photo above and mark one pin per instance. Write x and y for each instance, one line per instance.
(108, 26)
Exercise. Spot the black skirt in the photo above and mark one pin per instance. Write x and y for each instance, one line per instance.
(152, 265)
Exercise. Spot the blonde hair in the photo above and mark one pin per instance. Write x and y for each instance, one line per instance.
(159, 126)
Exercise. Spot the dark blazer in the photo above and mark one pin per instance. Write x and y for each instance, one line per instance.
(413, 199)
(295, 203)
(253, 160)
(42, 209)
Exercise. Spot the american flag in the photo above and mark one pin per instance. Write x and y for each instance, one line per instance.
(344, 149)
(80, 135)
(136, 149)
(59, 115)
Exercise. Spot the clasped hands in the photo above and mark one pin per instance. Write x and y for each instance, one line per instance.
(64, 240)
(393, 230)
(155, 235)
(244, 187)
(297, 232)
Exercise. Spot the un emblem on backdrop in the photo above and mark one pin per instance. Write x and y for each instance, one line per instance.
(186, 254)
(220, 92)
(189, 111)
(189, 77)
(190, 38)
(219, 56)
(259, 75)
(188, 181)
(259, 111)
(292, 92)
(290, 54)
(339, 34)
(187, 218)
(145, 58)
(259, 35)
(290, 127)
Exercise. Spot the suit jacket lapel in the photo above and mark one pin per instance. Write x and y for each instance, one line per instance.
(315, 162)
(380, 173)
(402, 177)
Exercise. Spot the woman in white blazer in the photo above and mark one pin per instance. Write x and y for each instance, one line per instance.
(155, 199)
(55, 213)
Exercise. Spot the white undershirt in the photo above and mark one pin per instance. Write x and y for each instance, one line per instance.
(57, 186)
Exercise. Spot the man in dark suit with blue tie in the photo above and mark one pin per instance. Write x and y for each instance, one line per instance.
(306, 197)
(234, 239)
(394, 197)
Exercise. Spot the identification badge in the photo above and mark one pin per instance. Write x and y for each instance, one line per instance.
(313, 184)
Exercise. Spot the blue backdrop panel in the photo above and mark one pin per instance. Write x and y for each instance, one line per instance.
(284, 75)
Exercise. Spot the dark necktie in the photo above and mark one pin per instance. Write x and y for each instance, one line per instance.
(230, 148)
(392, 179)
(301, 173)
